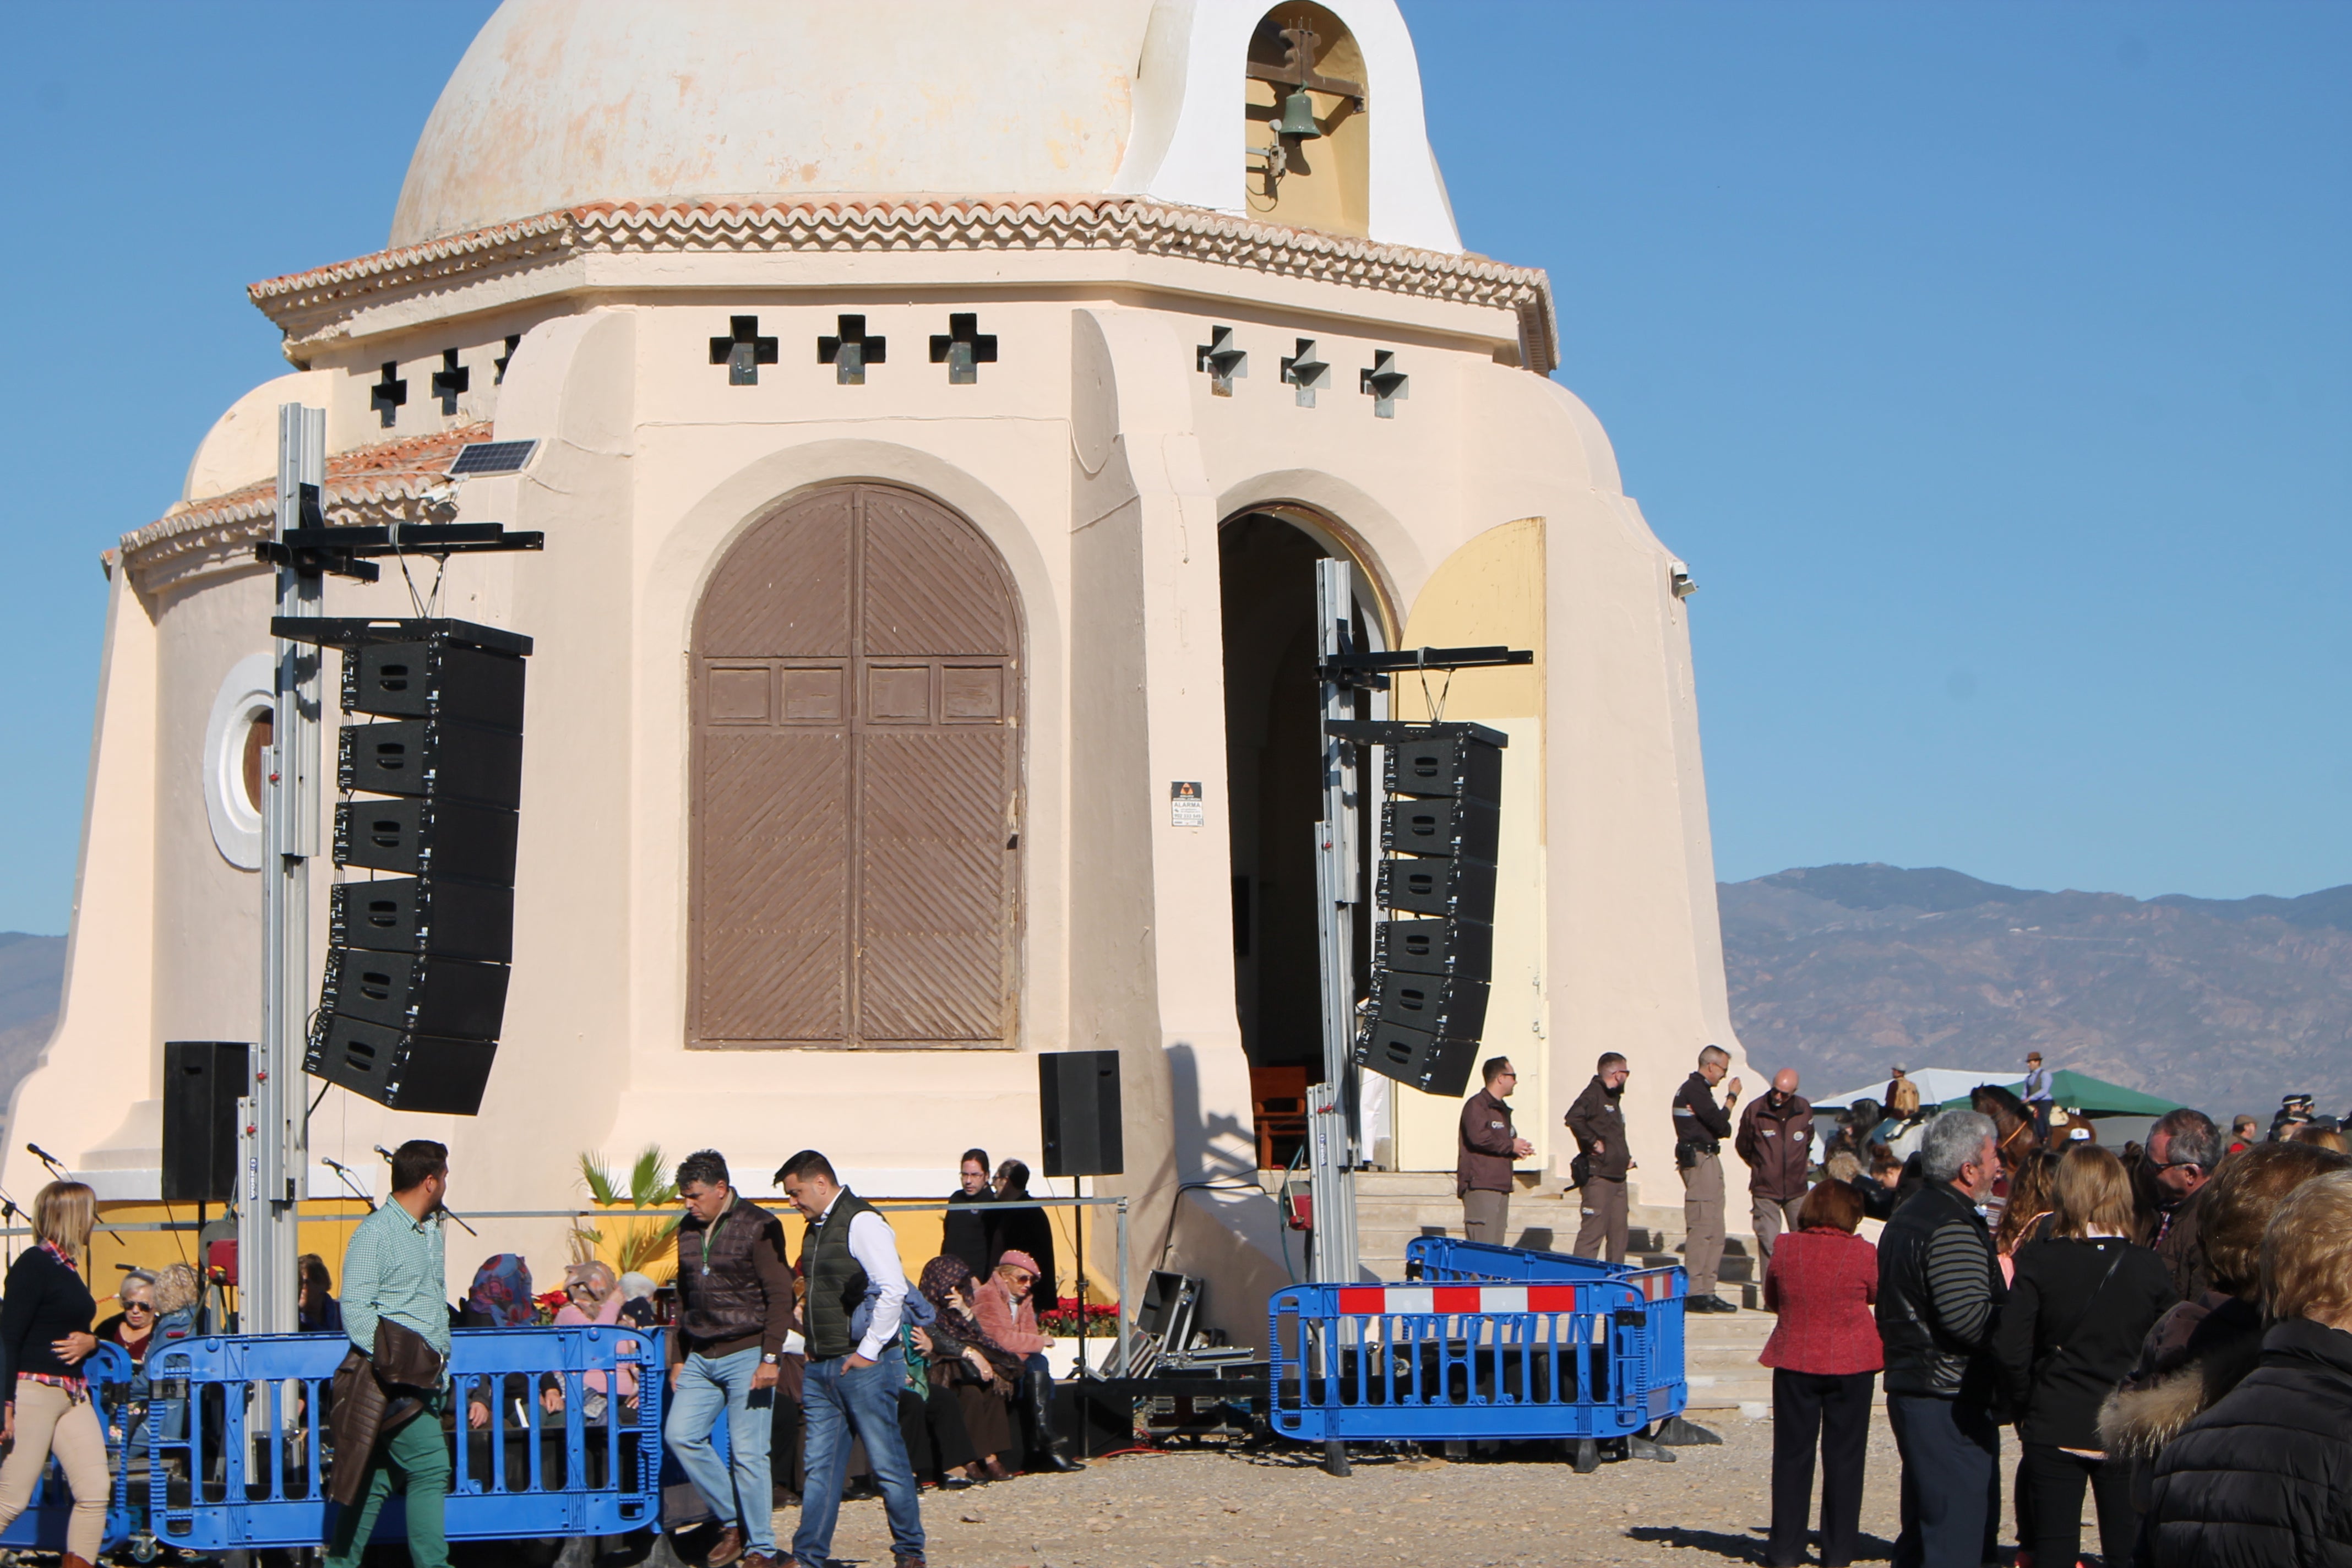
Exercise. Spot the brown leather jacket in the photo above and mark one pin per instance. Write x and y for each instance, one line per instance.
(374, 1396)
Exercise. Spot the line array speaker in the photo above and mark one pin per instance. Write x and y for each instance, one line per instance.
(413, 998)
(1442, 831)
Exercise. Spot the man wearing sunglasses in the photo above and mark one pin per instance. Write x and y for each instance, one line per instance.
(2183, 1148)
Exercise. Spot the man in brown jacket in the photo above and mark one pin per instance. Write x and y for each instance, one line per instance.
(1598, 1120)
(1489, 1143)
(1776, 1139)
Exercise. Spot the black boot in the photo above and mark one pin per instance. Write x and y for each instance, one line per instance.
(1044, 1448)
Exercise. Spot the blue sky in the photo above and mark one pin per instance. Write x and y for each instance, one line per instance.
(1990, 364)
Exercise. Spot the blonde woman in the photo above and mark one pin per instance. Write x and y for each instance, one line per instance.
(44, 1336)
(2084, 1300)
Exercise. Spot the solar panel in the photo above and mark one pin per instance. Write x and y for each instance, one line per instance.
(492, 458)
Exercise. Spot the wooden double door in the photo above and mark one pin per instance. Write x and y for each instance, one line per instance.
(856, 782)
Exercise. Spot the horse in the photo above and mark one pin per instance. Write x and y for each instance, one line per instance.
(2012, 1124)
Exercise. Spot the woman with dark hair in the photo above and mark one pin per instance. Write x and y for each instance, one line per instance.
(2201, 1349)
(2032, 1202)
(1824, 1354)
(2084, 1299)
(316, 1311)
(962, 1360)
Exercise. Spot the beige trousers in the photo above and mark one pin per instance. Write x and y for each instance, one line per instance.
(1703, 1223)
(1487, 1217)
(1600, 1233)
(1770, 1217)
(51, 1421)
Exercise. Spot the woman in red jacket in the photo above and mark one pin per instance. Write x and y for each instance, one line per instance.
(1825, 1357)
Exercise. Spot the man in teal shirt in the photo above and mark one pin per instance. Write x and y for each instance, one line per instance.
(393, 1270)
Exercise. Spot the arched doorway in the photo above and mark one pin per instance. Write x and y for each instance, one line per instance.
(856, 782)
(1266, 561)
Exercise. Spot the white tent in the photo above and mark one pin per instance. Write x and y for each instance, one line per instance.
(1936, 1085)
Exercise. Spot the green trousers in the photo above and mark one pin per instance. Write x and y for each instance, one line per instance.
(417, 1459)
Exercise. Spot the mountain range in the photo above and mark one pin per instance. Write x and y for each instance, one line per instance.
(1842, 970)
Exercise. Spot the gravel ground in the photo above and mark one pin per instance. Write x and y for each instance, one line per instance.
(1211, 1509)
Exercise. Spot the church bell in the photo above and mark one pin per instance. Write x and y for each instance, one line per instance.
(1298, 116)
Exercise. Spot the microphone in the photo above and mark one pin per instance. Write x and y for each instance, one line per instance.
(56, 1166)
(344, 1173)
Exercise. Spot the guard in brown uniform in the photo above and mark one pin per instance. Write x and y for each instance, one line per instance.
(1598, 1120)
(1700, 1127)
(1776, 1139)
(1482, 1170)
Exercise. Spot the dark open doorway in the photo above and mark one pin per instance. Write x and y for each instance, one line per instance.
(1273, 749)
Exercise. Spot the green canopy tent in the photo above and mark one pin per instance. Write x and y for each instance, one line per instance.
(2091, 1096)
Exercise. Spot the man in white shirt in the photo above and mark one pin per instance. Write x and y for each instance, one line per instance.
(856, 1297)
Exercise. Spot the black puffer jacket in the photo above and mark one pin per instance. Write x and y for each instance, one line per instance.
(2263, 1479)
(1940, 1291)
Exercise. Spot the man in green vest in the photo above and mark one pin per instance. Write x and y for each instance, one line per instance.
(856, 1291)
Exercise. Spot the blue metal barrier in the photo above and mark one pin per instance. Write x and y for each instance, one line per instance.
(1497, 1342)
(247, 1468)
(42, 1526)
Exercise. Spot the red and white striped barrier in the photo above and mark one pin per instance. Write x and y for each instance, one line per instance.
(1397, 1300)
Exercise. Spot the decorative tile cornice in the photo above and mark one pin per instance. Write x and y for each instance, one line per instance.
(315, 304)
(388, 482)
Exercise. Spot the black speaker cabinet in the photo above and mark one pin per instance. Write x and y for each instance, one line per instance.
(416, 994)
(433, 915)
(1462, 948)
(203, 1080)
(1460, 766)
(1078, 1104)
(445, 837)
(1462, 828)
(1429, 885)
(1435, 1004)
(434, 757)
(401, 1071)
(434, 678)
(1429, 1062)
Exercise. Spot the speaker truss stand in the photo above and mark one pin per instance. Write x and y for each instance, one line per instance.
(1331, 1104)
(275, 1137)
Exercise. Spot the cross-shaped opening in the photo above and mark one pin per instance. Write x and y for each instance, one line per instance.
(963, 349)
(500, 363)
(1305, 372)
(851, 351)
(743, 350)
(450, 380)
(1221, 359)
(388, 393)
(1384, 383)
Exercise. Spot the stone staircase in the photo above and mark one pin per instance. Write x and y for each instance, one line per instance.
(1719, 1349)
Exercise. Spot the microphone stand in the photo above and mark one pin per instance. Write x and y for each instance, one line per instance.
(344, 1172)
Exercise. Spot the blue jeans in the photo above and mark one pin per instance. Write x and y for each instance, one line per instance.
(834, 1397)
(739, 1492)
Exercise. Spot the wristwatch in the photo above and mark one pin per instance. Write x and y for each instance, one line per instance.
(769, 1359)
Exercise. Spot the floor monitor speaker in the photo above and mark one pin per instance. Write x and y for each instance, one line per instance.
(1077, 1105)
(203, 1081)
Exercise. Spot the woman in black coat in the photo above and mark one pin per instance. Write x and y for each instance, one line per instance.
(2083, 1301)
(2263, 1479)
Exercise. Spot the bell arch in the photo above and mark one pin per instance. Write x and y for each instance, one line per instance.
(1307, 113)
(855, 793)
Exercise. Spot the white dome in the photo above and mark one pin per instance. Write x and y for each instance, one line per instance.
(562, 102)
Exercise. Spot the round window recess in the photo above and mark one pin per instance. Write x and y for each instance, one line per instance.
(236, 760)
